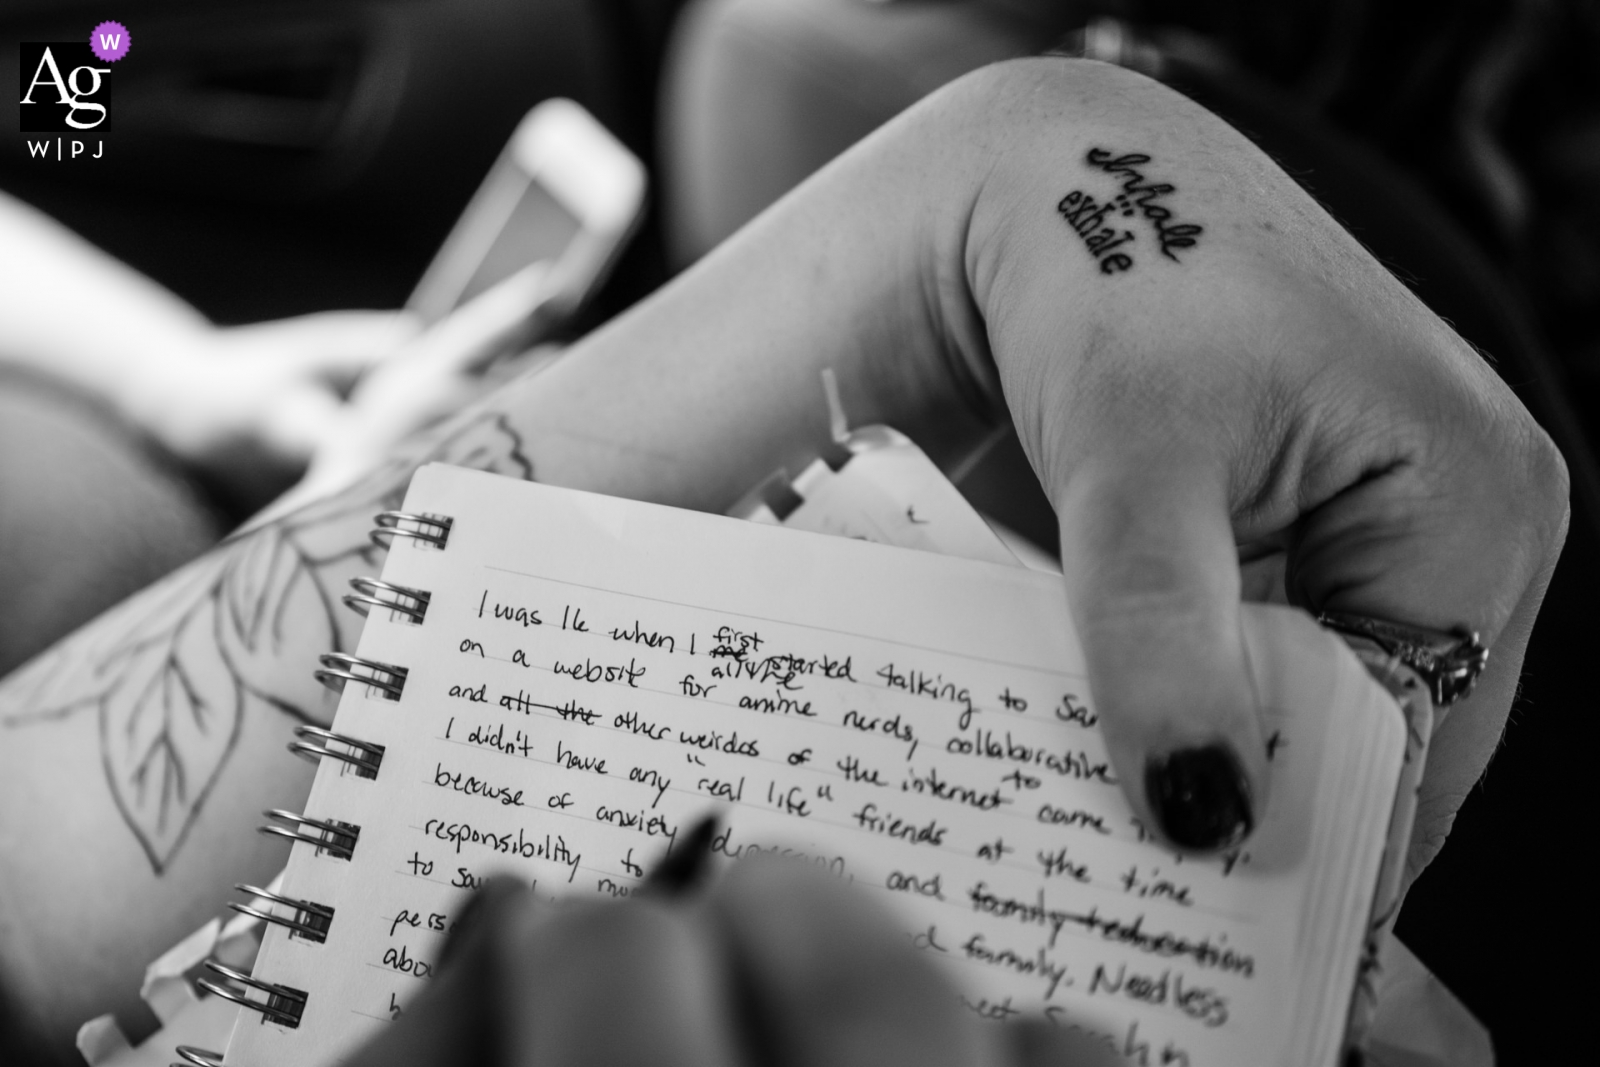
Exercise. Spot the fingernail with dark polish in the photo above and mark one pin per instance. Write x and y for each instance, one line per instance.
(1200, 796)
(687, 863)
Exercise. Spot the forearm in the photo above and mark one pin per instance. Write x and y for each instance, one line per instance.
(73, 312)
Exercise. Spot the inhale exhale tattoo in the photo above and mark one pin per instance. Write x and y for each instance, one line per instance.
(1110, 240)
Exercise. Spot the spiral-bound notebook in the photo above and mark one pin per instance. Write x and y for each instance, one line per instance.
(556, 685)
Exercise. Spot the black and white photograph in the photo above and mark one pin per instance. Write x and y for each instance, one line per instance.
(798, 533)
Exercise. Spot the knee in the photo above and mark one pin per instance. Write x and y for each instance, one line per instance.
(86, 517)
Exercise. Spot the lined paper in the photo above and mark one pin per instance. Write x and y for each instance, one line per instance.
(594, 674)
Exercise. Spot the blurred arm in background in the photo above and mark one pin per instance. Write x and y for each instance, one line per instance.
(134, 433)
(246, 405)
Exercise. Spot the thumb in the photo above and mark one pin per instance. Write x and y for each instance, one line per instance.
(1153, 581)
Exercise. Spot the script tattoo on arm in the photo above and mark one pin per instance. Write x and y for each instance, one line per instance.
(1111, 227)
(171, 673)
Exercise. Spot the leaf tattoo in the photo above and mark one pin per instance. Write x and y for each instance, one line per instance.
(166, 728)
(171, 672)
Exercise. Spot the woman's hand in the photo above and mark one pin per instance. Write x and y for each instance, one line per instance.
(442, 370)
(245, 405)
(1202, 366)
(1200, 363)
(776, 964)
(249, 405)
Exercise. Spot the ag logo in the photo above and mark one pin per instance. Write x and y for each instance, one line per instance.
(64, 87)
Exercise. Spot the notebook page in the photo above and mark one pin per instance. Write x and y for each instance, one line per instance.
(595, 673)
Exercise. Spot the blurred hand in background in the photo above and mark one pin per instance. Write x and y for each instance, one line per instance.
(249, 406)
(244, 406)
(250, 409)
(439, 371)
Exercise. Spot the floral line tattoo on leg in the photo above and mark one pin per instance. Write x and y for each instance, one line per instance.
(170, 673)
(1111, 243)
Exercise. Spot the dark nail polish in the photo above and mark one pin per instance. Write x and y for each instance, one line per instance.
(686, 864)
(1200, 796)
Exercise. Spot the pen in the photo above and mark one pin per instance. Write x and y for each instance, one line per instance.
(684, 867)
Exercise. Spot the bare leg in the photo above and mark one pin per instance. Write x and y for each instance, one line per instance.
(87, 517)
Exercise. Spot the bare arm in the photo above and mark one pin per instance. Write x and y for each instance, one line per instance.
(248, 402)
(1255, 376)
(72, 310)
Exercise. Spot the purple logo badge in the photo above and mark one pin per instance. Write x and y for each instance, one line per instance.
(110, 41)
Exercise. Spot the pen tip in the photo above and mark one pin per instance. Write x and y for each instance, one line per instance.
(685, 865)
